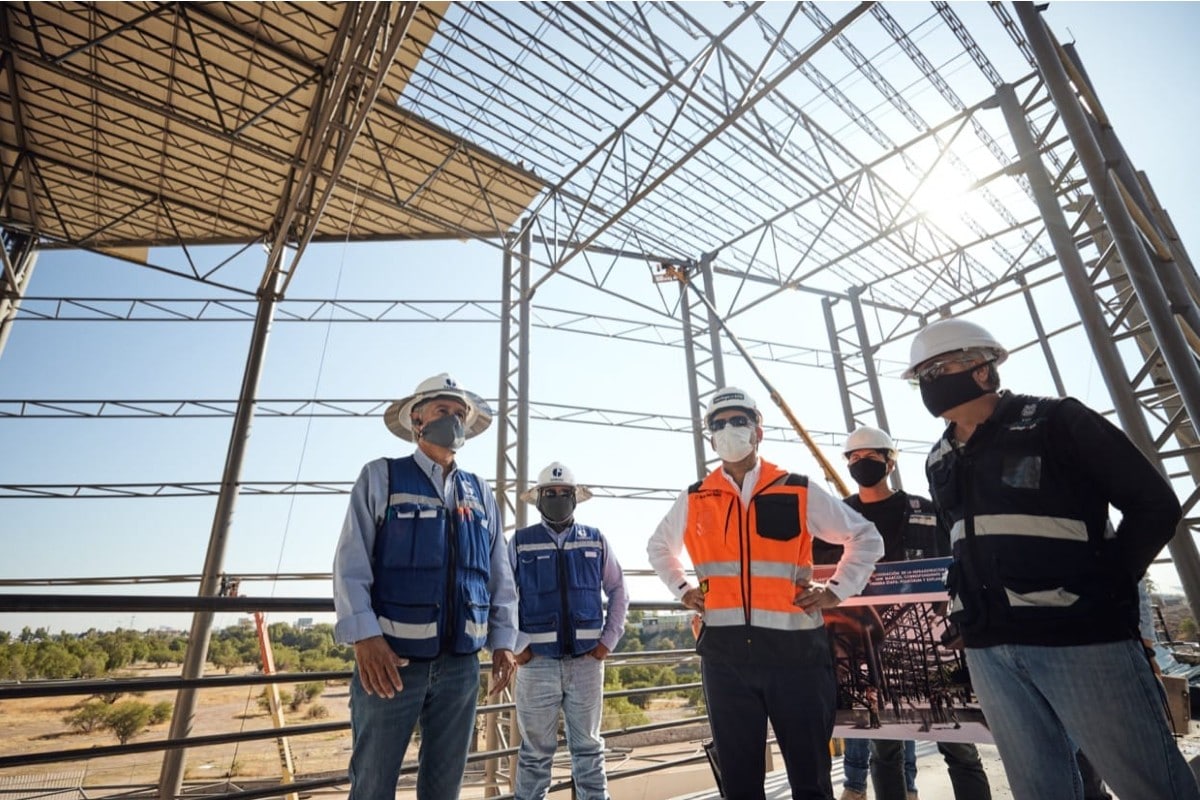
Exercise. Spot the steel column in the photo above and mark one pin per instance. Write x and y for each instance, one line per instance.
(1180, 360)
(19, 252)
(523, 378)
(1036, 318)
(839, 365)
(1112, 368)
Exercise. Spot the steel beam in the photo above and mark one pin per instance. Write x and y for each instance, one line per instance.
(1112, 367)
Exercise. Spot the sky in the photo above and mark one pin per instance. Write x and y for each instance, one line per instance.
(1141, 57)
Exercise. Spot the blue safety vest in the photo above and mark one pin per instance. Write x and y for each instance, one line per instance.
(560, 605)
(432, 565)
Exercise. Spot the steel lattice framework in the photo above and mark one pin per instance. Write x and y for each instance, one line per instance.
(764, 151)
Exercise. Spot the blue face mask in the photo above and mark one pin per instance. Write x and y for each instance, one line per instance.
(447, 432)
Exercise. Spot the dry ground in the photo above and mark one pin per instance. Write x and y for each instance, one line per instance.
(35, 725)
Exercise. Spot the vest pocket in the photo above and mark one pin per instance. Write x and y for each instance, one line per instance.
(476, 608)
(415, 537)
(583, 569)
(538, 572)
(777, 516)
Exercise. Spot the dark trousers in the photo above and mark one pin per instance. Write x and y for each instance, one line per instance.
(966, 772)
(799, 703)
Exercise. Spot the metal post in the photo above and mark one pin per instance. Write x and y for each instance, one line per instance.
(523, 379)
(504, 400)
(839, 365)
(20, 256)
(1112, 368)
(689, 355)
(714, 332)
(171, 777)
(868, 357)
(1178, 356)
(1047, 352)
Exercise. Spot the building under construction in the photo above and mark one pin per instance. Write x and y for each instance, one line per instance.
(572, 207)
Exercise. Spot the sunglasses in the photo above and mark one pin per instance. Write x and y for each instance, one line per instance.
(936, 369)
(737, 422)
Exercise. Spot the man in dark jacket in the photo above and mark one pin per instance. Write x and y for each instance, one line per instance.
(909, 529)
(1042, 587)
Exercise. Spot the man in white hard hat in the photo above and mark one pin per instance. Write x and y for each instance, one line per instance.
(421, 583)
(1043, 589)
(748, 529)
(909, 528)
(563, 571)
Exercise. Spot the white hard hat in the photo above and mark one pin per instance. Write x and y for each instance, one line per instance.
(398, 416)
(731, 397)
(556, 474)
(949, 336)
(868, 438)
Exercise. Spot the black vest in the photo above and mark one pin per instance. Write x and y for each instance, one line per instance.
(1034, 561)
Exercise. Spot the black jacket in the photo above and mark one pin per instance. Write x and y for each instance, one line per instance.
(1027, 502)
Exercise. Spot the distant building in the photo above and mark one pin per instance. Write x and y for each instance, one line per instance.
(304, 623)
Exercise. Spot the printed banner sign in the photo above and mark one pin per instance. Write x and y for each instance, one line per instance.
(901, 674)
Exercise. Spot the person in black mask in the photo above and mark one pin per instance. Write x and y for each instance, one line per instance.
(562, 569)
(1042, 587)
(909, 529)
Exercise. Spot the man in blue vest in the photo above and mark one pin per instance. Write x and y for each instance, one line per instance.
(421, 583)
(1042, 587)
(561, 569)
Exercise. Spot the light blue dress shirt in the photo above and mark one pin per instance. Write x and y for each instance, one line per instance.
(353, 573)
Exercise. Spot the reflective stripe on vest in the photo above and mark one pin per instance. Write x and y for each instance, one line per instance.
(750, 560)
(1072, 530)
(560, 587)
(431, 565)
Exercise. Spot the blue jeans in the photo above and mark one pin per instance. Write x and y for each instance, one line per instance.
(576, 687)
(1042, 702)
(441, 695)
(878, 756)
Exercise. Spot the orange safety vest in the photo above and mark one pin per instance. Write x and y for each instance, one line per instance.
(750, 561)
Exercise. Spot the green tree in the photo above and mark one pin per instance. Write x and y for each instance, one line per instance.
(620, 713)
(54, 661)
(225, 656)
(88, 716)
(93, 665)
(128, 718)
(1187, 629)
(160, 654)
(118, 649)
(12, 661)
(161, 712)
(287, 659)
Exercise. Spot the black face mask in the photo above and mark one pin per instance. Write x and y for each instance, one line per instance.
(944, 393)
(868, 471)
(557, 509)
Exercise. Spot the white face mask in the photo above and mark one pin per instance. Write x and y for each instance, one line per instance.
(733, 444)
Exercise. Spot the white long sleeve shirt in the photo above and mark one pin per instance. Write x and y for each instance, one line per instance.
(829, 519)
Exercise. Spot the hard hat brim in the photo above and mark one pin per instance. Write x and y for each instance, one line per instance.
(582, 493)
(398, 416)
